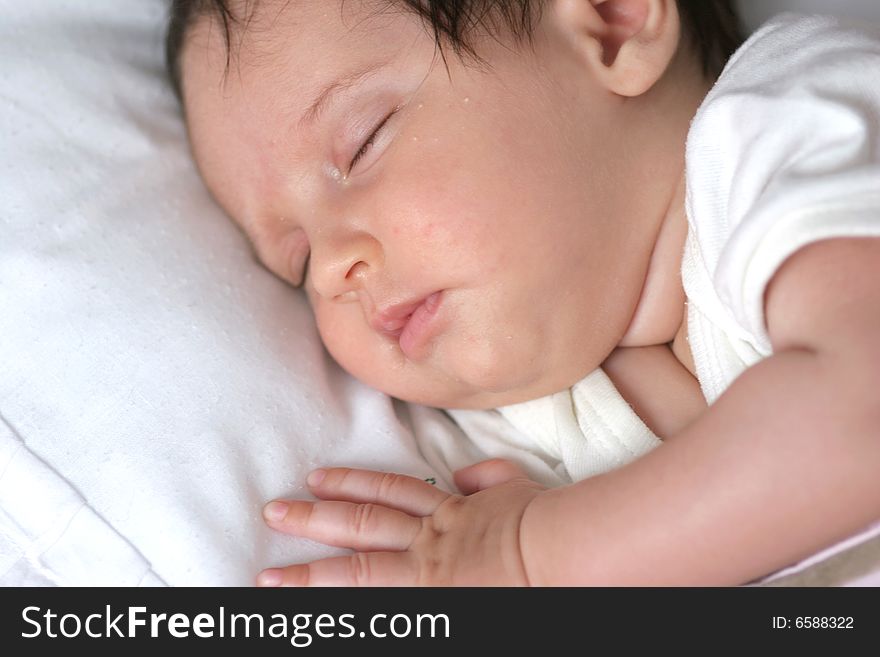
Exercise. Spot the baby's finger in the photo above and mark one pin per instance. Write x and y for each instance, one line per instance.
(356, 526)
(407, 494)
(361, 569)
(486, 474)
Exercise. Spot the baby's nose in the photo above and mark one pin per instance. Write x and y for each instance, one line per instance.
(339, 269)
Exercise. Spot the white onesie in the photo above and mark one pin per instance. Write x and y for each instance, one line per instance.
(784, 151)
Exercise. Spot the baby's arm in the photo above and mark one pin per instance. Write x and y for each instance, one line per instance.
(782, 465)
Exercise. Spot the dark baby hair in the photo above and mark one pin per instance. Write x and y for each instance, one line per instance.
(712, 26)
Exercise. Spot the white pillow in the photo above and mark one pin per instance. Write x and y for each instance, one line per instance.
(157, 386)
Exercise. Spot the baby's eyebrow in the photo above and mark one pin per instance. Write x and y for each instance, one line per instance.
(330, 92)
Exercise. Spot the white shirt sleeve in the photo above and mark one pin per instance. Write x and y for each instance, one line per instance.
(784, 151)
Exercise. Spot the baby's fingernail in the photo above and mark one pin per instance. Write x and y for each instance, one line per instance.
(271, 577)
(315, 477)
(275, 511)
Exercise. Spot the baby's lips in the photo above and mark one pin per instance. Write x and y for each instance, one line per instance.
(392, 319)
(392, 325)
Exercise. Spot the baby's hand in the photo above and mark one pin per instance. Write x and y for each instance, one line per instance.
(407, 532)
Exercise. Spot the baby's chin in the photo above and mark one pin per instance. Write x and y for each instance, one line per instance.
(457, 395)
(475, 402)
(462, 395)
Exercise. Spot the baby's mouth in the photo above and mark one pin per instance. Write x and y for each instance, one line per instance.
(394, 327)
(392, 319)
(408, 323)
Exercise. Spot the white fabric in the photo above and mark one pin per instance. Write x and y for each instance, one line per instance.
(41, 540)
(784, 151)
(157, 386)
(571, 435)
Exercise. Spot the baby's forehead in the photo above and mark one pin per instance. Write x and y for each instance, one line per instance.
(265, 34)
(277, 61)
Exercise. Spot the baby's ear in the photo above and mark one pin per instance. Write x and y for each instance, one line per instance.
(627, 44)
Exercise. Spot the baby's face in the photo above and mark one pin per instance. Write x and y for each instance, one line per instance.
(480, 248)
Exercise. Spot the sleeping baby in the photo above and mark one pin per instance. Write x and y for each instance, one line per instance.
(562, 222)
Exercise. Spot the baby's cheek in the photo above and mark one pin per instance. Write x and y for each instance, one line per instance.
(309, 289)
(342, 331)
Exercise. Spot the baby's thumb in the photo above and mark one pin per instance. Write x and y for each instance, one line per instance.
(486, 474)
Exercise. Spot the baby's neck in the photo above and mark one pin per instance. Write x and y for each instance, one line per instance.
(659, 314)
